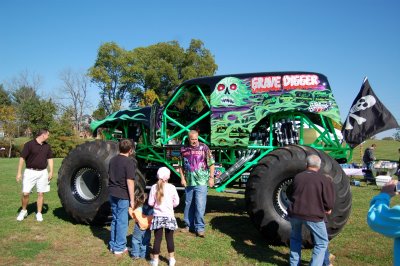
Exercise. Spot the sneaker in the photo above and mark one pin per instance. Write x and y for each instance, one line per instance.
(120, 253)
(39, 217)
(154, 262)
(201, 234)
(172, 262)
(185, 230)
(22, 215)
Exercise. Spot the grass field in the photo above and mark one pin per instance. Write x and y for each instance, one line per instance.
(231, 239)
(385, 150)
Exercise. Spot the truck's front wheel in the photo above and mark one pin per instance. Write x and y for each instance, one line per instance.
(83, 179)
(269, 189)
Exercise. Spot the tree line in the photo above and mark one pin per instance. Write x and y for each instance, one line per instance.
(134, 77)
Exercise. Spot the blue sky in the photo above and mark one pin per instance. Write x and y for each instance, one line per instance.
(345, 40)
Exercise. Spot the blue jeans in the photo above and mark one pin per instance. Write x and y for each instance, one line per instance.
(320, 235)
(195, 207)
(119, 223)
(326, 258)
(140, 242)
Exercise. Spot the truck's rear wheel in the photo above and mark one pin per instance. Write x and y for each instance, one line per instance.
(268, 192)
(83, 179)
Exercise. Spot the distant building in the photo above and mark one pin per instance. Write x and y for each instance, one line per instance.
(84, 126)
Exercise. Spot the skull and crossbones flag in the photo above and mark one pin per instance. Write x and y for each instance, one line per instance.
(367, 117)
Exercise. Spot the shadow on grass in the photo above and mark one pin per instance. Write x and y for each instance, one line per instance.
(103, 233)
(32, 208)
(226, 204)
(61, 214)
(235, 223)
(247, 240)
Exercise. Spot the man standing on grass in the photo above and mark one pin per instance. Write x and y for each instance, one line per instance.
(37, 155)
(197, 171)
(313, 197)
(369, 157)
(121, 187)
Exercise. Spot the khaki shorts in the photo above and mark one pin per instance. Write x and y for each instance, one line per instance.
(38, 178)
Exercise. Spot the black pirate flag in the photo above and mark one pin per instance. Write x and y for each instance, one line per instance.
(367, 117)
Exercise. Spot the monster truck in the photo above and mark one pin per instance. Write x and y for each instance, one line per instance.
(251, 133)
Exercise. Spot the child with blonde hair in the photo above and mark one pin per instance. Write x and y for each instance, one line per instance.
(164, 198)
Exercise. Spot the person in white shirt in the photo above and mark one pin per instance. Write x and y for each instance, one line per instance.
(164, 198)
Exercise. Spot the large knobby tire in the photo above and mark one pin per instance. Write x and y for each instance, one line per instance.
(269, 189)
(83, 180)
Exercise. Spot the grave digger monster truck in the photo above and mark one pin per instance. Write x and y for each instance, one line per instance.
(260, 125)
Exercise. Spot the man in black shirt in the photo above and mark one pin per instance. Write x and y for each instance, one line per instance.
(121, 187)
(369, 157)
(313, 197)
(37, 155)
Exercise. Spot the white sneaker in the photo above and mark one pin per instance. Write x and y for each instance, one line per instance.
(172, 262)
(154, 262)
(22, 215)
(39, 217)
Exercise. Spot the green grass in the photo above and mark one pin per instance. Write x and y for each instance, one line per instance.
(387, 150)
(231, 239)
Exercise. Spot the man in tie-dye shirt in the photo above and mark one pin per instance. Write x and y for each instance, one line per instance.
(197, 171)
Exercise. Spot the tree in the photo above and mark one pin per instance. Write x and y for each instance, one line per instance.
(25, 79)
(75, 87)
(4, 96)
(63, 138)
(8, 121)
(99, 113)
(396, 135)
(163, 66)
(148, 98)
(39, 113)
(22, 98)
(159, 67)
(110, 74)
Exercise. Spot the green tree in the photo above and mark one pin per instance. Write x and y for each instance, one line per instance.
(39, 113)
(62, 136)
(4, 96)
(159, 67)
(163, 66)
(8, 120)
(110, 73)
(99, 113)
(148, 98)
(21, 99)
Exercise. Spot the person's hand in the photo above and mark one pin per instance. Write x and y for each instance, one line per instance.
(132, 204)
(183, 182)
(389, 188)
(50, 175)
(328, 212)
(18, 177)
(130, 211)
(211, 182)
